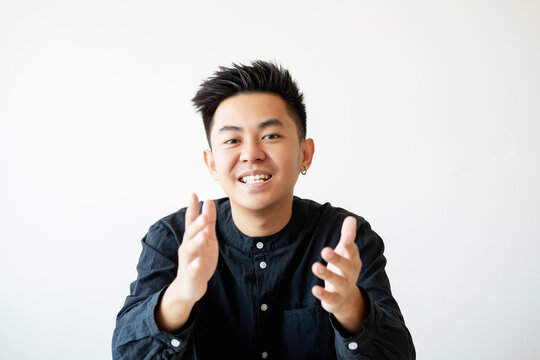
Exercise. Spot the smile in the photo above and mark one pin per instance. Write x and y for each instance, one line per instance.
(255, 179)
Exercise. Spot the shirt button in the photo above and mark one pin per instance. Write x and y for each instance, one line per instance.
(175, 342)
(262, 265)
(353, 345)
(264, 355)
(264, 307)
(260, 245)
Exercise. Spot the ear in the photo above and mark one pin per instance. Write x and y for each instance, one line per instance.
(308, 148)
(210, 164)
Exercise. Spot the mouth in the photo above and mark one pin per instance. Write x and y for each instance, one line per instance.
(255, 178)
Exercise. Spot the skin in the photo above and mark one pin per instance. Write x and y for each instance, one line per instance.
(255, 134)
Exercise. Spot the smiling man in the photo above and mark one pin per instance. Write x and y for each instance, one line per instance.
(260, 274)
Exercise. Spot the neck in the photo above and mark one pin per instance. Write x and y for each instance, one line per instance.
(264, 222)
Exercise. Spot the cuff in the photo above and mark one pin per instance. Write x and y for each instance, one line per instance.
(354, 346)
(177, 342)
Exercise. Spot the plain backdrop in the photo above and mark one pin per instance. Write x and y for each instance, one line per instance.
(425, 116)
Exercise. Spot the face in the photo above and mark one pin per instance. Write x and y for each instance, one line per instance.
(256, 154)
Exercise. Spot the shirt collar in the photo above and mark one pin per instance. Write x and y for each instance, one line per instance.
(228, 232)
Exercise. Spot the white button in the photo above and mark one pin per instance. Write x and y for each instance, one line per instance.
(175, 342)
(353, 345)
(262, 264)
(260, 245)
(264, 307)
(264, 355)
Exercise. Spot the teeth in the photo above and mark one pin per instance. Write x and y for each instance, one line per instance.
(255, 179)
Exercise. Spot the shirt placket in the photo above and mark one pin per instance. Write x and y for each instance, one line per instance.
(262, 268)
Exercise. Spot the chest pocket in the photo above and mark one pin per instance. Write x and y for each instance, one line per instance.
(307, 334)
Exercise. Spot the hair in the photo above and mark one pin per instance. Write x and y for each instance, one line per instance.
(259, 76)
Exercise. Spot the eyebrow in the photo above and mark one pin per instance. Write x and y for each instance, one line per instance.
(269, 122)
(262, 125)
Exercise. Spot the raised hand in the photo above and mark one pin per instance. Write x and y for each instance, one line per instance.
(198, 253)
(197, 261)
(340, 295)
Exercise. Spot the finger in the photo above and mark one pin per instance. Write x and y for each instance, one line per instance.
(348, 235)
(348, 230)
(345, 265)
(209, 209)
(325, 296)
(192, 210)
(337, 282)
(196, 227)
(193, 248)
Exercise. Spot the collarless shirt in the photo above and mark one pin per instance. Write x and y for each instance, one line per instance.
(259, 304)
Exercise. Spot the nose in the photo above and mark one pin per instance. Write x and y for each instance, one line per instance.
(252, 152)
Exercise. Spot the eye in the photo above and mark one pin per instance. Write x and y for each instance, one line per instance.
(231, 141)
(271, 137)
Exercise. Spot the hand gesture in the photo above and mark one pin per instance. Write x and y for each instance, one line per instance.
(198, 253)
(197, 261)
(340, 295)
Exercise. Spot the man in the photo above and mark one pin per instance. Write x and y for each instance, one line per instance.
(261, 273)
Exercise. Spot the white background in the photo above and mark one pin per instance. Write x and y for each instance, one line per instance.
(425, 116)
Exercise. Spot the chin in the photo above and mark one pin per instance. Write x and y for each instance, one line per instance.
(254, 205)
(260, 202)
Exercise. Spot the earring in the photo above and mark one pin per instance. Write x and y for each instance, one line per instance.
(304, 172)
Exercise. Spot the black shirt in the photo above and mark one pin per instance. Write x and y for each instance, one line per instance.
(259, 303)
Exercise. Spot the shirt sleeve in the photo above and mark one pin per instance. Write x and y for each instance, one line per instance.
(384, 334)
(136, 335)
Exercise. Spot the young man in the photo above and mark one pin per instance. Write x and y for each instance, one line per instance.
(260, 274)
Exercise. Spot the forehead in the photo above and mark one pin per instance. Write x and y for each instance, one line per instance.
(249, 110)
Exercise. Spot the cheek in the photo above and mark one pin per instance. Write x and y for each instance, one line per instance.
(223, 163)
(291, 161)
(296, 158)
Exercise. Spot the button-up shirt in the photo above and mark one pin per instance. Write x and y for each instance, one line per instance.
(259, 303)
